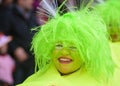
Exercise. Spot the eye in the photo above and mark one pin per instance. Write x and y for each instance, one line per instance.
(59, 46)
(72, 48)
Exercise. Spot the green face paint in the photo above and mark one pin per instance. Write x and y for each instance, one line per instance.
(70, 36)
(66, 57)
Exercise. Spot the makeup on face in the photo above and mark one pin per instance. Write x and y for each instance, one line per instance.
(66, 57)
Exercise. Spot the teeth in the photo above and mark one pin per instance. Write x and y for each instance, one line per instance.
(65, 59)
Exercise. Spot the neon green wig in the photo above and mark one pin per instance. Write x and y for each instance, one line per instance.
(86, 31)
(110, 12)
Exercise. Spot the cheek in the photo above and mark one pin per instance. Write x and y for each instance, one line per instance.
(54, 56)
(77, 60)
(56, 53)
(78, 63)
(55, 62)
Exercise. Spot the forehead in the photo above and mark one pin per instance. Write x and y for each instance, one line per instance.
(65, 42)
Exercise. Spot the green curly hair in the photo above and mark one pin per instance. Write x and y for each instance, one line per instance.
(83, 28)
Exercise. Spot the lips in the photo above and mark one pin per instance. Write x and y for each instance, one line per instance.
(65, 60)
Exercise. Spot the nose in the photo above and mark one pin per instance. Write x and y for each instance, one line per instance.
(65, 52)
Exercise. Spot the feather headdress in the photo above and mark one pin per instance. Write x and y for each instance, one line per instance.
(51, 8)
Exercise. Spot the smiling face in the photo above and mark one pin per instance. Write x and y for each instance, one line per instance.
(66, 57)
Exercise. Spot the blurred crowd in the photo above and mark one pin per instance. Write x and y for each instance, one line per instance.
(17, 17)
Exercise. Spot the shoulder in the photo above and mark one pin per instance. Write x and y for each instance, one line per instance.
(32, 83)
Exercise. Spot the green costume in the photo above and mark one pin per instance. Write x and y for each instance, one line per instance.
(81, 34)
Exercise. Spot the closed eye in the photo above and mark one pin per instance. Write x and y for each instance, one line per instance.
(72, 48)
(59, 46)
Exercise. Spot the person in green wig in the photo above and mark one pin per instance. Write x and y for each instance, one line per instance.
(72, 50)
(110, 12)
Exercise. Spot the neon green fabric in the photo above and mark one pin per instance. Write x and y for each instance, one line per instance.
(53, 78)
(115, 49)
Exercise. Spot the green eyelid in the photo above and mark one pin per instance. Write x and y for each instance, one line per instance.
(59, 46)
(72, 48)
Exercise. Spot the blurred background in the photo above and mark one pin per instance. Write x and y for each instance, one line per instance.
(17, 17)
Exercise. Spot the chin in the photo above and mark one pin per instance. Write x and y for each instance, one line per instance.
(65, 72)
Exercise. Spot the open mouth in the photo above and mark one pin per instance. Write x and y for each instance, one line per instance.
(65, 60)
